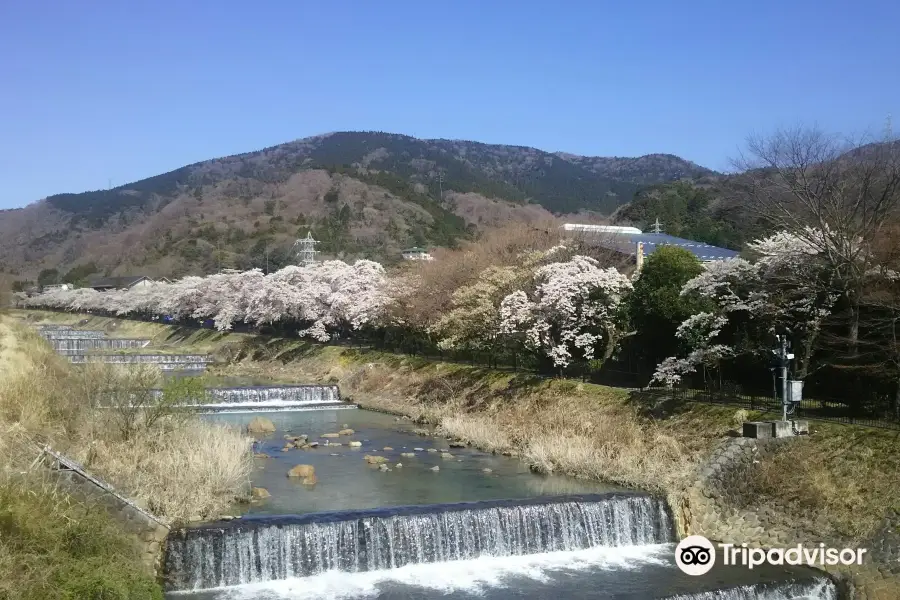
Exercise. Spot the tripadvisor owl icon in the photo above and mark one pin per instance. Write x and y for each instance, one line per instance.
(695, 555)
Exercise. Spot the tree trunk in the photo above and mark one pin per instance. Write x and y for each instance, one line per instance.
(853, 333)
(896, 407)
(610, 344)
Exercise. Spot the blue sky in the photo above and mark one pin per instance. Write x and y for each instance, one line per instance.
(107, 90)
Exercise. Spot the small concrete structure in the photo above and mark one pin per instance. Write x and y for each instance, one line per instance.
(775, 429)
(801, 427)
(758, 429)
(782, 429)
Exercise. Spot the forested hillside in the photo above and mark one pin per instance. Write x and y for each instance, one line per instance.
(363, 194)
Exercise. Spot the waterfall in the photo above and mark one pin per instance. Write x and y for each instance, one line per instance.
(160, 359)
(294, 394)
(251, 550)
(165, 362)
(820, 588)
(80, 345)
(71, 334)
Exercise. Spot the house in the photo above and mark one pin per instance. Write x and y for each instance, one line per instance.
(416, 253)
(58, 286)
(641, 245)
(126, 282)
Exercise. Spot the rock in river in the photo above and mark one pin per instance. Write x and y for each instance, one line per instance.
(259, 493)
(261, 425)
(302, 471)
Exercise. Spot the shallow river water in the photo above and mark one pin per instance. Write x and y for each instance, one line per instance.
(346, 481)
(595, 541)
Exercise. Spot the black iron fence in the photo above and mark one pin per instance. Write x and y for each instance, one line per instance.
(859, 403)
(880, 413)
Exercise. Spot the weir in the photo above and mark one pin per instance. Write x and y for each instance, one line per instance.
(276, 396)
(161, 359)
(820, 588)
(71, 334)
(259, 549)
(165, 362)
(81, 345)
(301, 394)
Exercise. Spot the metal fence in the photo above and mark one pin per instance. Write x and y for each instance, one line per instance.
(849, 411)
(867, 407)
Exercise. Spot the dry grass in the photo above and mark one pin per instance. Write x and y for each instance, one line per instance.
(476, 430)
(847, 477)
(581, 430)
(181, 467)
(182, 471)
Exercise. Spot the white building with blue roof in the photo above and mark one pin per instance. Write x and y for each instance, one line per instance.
(631, 241)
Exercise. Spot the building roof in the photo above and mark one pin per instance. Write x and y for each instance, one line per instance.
(124, 281)
(579, 227)
(627, 244)
(415, 249)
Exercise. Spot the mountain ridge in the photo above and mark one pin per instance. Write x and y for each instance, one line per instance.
(362, 193)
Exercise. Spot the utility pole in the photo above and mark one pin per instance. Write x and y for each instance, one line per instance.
(267, 258)
(441, 185)
(782, 361)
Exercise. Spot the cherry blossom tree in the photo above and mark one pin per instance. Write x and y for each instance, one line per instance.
(574, 308)
(786, 290)
(474, 321)
(324, 298)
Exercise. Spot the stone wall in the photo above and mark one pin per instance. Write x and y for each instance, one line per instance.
(151, 535)
(714, 507)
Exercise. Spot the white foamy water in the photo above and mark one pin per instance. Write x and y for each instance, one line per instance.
(472, 576)
(275, 406)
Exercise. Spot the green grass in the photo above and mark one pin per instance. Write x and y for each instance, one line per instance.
(52, 546)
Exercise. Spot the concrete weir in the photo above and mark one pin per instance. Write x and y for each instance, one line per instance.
(274, 397)
(166, 362)
(81, 345)
(71, 334)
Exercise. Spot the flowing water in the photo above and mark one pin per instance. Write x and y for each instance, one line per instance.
(71, 345)
(195, 363)
(274, 397)
(347, 482)
(459, 532)
(72, 334)
(265, 549)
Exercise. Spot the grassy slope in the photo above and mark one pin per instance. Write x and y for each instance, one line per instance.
(180, 468)
(847, 476)
(52, 545)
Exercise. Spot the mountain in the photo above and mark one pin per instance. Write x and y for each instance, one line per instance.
(360, 193)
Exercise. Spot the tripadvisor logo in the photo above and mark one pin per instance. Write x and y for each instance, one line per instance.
(696, 555)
